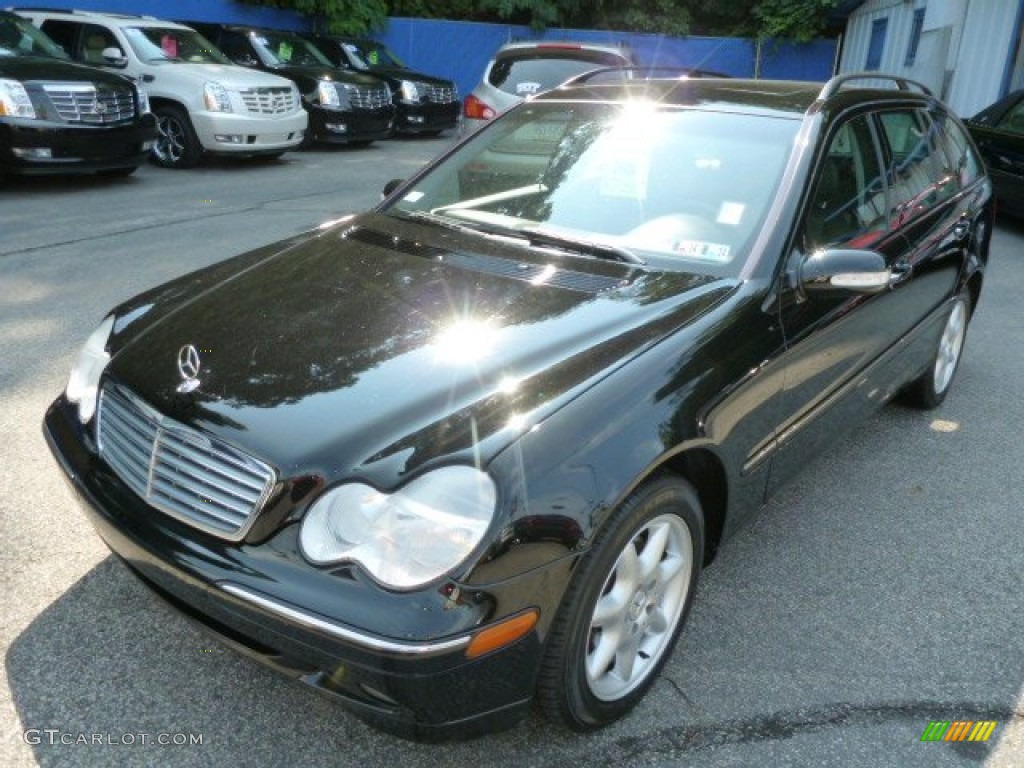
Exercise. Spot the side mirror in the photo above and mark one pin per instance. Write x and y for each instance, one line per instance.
(840, 271)
(390, 187)
(115, 57)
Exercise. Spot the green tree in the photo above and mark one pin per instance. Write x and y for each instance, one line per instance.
(345, 17)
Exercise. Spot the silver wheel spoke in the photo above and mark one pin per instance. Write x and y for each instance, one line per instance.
(625, 660)
(657, 622)
(611, 607)
(653, 551)
(602, 655)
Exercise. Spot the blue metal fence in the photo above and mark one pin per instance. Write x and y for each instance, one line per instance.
(460, 50)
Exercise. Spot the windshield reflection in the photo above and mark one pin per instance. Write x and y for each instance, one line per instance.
(689, 186)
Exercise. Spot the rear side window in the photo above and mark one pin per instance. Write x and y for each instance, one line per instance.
(963, 161)
(1013, 120)
(529, 73)
(920, 176)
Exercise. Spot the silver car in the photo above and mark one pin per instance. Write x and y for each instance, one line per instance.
(521, 70)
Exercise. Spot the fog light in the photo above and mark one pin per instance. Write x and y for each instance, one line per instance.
(337, 127)
(416, 119)
(33, 153)
(229, 138)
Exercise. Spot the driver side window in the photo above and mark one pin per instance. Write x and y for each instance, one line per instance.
(847, 206)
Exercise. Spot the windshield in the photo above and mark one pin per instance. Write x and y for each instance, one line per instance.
(173, 44)
(18, 37)
(685, 187)
(366, 54)
(280, 49)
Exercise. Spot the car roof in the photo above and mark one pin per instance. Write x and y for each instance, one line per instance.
(113, 19)
(778, 98)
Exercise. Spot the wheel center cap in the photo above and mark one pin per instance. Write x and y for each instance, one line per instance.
(637, 604)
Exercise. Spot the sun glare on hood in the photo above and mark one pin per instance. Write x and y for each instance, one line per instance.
(465, 342)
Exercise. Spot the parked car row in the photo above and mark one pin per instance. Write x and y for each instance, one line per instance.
(108, 89)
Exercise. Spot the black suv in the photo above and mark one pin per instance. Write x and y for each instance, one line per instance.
(344, 107)
(475, 446)
(423, 103)
(60, 117)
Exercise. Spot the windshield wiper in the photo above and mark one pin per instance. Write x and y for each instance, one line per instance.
(543, 238)
(427, 217)
(536, 237)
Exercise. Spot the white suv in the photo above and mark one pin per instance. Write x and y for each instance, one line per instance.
(202, 102)
(521, 70)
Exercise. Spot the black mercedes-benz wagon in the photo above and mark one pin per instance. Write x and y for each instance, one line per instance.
(471, 449)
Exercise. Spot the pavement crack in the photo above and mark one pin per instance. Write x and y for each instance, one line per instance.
(676, 739)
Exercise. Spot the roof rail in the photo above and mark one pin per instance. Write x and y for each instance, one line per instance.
(643, 73)
(83, 11)
(902, 83)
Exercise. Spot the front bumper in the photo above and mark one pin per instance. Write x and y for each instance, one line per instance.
(420, 118)
(422, 688)
(240, 134)
(73, 148)
(351, 125)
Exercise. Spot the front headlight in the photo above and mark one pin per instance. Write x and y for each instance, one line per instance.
(216, 97)
(14, 100)
(404, 539)
(143, 101)
(409, 91)
(327, 94)
(83, 385)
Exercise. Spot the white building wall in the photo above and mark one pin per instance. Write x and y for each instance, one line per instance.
(963, 53)
(986, 49)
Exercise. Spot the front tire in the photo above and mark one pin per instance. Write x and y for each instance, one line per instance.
(625, 607)
(177, 145)
(930, 389)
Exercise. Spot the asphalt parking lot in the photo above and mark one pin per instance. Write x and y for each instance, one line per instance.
(882, 590)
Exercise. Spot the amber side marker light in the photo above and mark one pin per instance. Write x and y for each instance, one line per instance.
(502, 634)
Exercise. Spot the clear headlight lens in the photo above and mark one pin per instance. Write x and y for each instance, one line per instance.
(216, 97)
(409, 91)
(327, 93)
(14, 100)
(407, 538)
(83, 385)
(143, 100)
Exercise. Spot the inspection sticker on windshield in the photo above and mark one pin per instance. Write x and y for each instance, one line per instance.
(698, 249)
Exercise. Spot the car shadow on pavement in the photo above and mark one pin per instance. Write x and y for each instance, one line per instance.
(111, 669)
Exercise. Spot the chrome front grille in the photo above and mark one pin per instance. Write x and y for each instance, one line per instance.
(439, 94)
(269, 101)
(90, 105)
(190, 476)
(362, 97)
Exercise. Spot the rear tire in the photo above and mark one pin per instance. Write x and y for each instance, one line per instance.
(625, 607)
(931, 387)
(177, 145)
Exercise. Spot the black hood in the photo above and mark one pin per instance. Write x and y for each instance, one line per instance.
(379, 346)
(394, 75)
(45, 69)
(308, 77)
